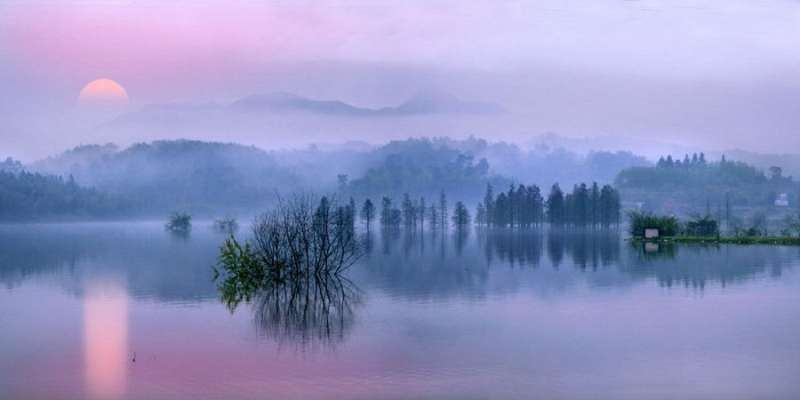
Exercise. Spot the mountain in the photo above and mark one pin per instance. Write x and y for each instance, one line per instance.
(282, 103)
(426, 102)
(435, 102)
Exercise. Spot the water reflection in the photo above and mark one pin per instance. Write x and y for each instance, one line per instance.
(695, 266)
(420, 264)
(315, 310)
(439, 317)
(105, 340)
(153, 263)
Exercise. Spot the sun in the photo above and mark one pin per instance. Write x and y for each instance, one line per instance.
(104, 92)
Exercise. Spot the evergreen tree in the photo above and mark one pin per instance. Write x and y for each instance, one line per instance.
(488, 203)
(368, 212)
(409, 213)
(501, 210)
(480, 214)
(421, 212)
(443, 209)
(555, 206)
(461, 217)
(433, 214)
(594, 206)
(386, 211)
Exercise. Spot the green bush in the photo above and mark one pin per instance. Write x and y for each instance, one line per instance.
(639, 221)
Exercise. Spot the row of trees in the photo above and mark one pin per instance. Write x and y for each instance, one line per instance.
(523, 206)
(412, 213)
(694, 161)
(520, 207)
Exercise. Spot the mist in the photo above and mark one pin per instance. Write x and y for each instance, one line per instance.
(717, 76)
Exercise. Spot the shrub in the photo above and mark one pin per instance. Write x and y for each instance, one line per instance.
(179, 222)
(702, 226)
(639, 221)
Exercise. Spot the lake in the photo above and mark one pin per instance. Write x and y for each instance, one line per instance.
(128, 311)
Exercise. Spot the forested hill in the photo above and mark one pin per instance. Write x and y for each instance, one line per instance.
(209, 179)
(425, 167)
(28, 196)
(166, 175)
(693, 184)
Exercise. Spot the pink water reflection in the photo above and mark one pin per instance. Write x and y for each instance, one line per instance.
(105, 341)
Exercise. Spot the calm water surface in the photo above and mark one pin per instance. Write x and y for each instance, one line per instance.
(127, 311)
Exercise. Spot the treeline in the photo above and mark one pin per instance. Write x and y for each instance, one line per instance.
(693, 184)
(27, 196)
(523, 206)
(520, 207)
(412, 213)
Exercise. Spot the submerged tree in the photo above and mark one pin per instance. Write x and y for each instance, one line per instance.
(443, 209)
(294, 241)
(179, 222)
(291, 270)
(461, 217)
(227, 225)
(368, 212)
(555, 206)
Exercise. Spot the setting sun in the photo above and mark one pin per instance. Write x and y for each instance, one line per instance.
(103, 92)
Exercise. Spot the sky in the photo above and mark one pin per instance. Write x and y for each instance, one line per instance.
(704, 73)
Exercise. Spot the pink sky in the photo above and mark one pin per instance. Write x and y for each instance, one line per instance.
(677, 57)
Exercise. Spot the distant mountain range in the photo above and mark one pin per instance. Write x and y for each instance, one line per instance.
(424, 103)
(428, 102)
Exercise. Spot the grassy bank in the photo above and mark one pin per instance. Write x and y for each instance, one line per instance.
(774, 240)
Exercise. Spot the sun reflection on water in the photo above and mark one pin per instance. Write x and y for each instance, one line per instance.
(105, 335)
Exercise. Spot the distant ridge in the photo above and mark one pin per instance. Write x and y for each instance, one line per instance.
(424, 103)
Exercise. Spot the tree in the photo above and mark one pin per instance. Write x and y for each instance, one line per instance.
(409, 212)
(594, 205)
(443, 209)
(386, 211)
(368, 212)
(775, 173)
(434, 217)
(488, 204)
(555, 206)
(480, 214)
(461, 216)
(421, 212)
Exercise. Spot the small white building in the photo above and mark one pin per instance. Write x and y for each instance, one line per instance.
(651, 233)
(782, 200)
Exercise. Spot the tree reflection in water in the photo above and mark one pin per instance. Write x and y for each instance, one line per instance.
(290, 270)
(317, 310)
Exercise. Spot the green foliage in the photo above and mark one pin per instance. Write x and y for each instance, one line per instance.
(239, 261)
(639, 221)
